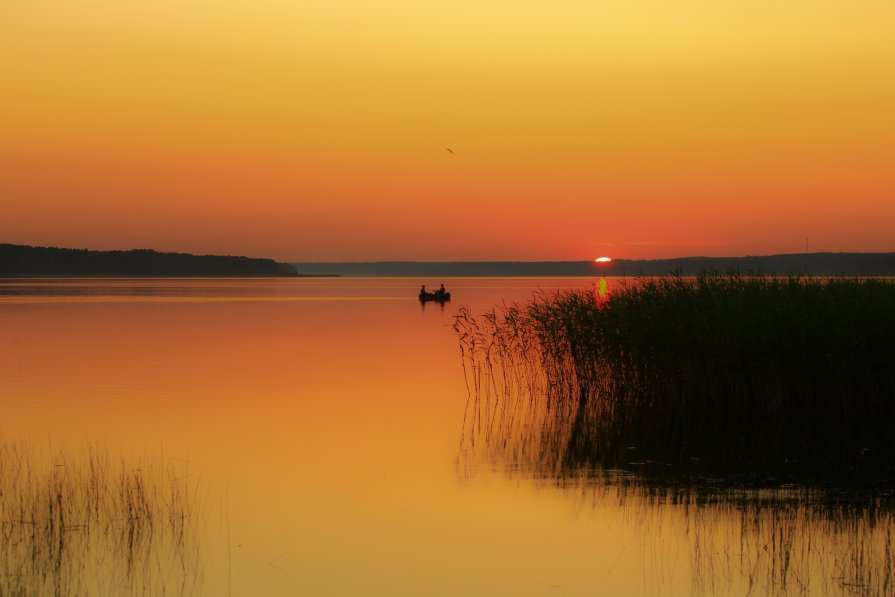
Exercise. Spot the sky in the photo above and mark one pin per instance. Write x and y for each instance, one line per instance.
(319, 130)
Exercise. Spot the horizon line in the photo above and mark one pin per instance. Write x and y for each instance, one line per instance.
(614, 259)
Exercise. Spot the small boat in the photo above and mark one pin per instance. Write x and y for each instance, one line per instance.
(434, 296)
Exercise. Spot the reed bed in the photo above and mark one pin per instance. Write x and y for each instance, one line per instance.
(74, 524)
(780, 377)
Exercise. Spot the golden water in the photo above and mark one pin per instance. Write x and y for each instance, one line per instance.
(321, 420)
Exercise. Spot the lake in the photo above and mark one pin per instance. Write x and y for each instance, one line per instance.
(319, 423)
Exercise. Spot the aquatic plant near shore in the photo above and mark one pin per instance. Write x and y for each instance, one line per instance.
(82, 524)
(738, 373)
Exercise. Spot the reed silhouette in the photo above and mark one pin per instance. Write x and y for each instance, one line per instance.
(739, 376)
(83, 524)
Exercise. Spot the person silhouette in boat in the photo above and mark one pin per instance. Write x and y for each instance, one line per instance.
(423, 291)
(440, 292)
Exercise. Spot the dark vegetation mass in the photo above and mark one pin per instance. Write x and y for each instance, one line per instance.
(781, 378)
(19, 260)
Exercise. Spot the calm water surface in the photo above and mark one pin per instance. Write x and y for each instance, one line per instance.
(322, 419)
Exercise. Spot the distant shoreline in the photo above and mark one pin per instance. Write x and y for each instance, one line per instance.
(817, 264)
(22, 261)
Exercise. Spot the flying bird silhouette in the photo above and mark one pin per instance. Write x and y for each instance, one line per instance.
(451, 151)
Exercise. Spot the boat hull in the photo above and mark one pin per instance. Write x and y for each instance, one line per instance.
(431, 296)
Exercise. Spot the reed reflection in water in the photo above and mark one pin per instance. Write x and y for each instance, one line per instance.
(740, 541)
(82, 524)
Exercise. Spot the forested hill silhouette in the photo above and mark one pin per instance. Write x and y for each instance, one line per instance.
(21, 260)
(818, 264)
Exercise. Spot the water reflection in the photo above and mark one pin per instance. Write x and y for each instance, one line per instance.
(736, 539)
(782, 541)
(76, 290)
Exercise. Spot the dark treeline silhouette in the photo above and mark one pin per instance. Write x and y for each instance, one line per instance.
(21, 260)
(810, 264)
(818, 264)
(446, 269)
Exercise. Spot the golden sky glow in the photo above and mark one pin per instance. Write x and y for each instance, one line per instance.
(318, 130)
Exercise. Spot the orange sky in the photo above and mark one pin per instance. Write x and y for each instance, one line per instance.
(317, 130)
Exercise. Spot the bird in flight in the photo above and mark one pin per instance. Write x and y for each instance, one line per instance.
(451, 151)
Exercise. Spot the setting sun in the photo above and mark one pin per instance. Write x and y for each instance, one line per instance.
(603, 259)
